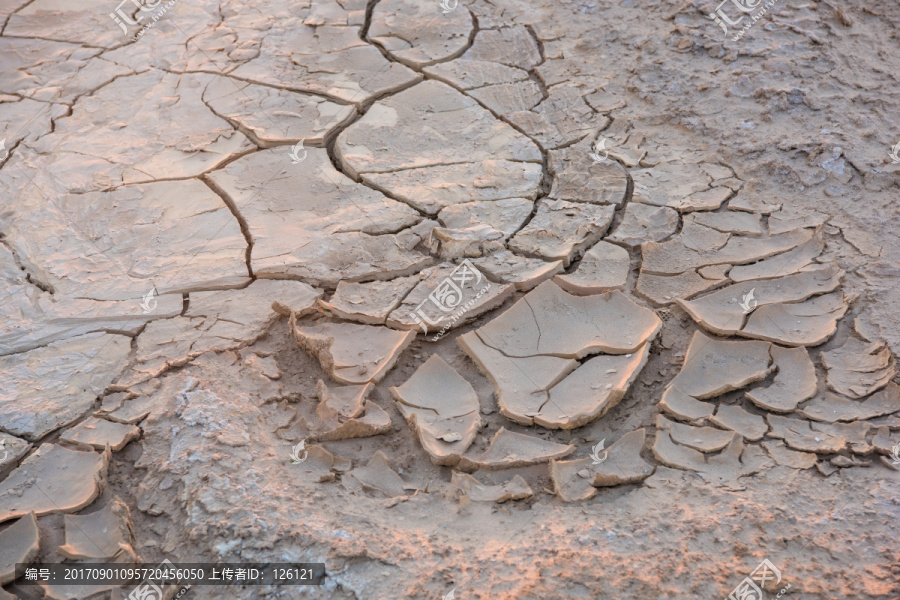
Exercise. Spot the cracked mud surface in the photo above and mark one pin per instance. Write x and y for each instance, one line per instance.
(657, 269)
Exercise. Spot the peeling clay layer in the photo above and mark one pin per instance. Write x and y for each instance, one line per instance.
(434, 293)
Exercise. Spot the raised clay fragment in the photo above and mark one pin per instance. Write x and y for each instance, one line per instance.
(19, 543)
(523, 272)
(645, 223)
(442, 408)
(751, 427)
(561, 229)
(794, 383)
(378, 475)
(859, 368)
(354, 354)
(604, 267)
(832, 408)
(704, 439)
(514, 489)
(623, 463)
(53, 479)
(105, 534)
(508, 450)
(573, 479)
(785, 457)
(100, 433)
(371, 302)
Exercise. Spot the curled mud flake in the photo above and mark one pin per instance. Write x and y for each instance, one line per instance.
(100, 433)
(378, 475)
(19, 543)
(508, 450)
(105, 534)
(561, 229)
(354, 354)
(603, 268)
(52, 480)
(369, 303)
(572, 479)
(442, 408)
(524, 273)
(832, 408)
(859, 368)
(751, 427)
(624, 463)
(794, 383)
(514, 489)
(704, 439)
(786, 457)
(417, 33)
(645, 223)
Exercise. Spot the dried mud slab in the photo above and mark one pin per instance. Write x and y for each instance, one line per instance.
(578, 178)
(751, 427)
(523, 272)
(326, 56)
(831, 408)
(789, 458)
(387, 148)
(702, 439)
(216, 322)
(448, 296)
(504, 216)
(795, 381)
(13, 450)
(342, 403)
(378, 475)
(603, 268)
(105, 534)
(19, 543)
(820, 438)
(700, 246)
(572, 479)
(713, 366)
(623, 464)
(154, 236)
(584, 395)
(514, 489)
(371, 302)
(859, 368)
(272, 116)
(560, 230)
(33, 317)
(561, 119)
(666, 289)
(442, 408)
(682, 406)
(310, 221)
(786, 263)
(101, 433)
(353, 354)
(509, 450)
(781, 315)
(734, 462)
(51, 480)
(729, 222)
(645, 223)
(549, 321)
(418, 33)
(130, 150)
(684, 187)
(318, 465)
(49, 387)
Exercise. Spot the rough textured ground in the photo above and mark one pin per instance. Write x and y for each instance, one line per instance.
(550, 300)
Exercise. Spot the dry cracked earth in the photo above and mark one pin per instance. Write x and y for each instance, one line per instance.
(489, 299)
